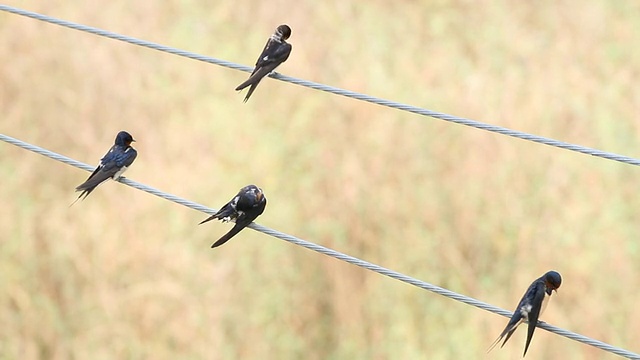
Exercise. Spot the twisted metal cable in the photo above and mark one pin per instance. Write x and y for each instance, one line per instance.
(330, 89)
(332, 253)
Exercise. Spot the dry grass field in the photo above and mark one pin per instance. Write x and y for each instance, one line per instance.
(126, 275)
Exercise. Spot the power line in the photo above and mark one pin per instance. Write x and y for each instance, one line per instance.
(330, 89)
(332, 253)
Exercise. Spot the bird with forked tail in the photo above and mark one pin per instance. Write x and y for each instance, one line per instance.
(112, 165)
(275, 52)
(244, 208)
(530, 307)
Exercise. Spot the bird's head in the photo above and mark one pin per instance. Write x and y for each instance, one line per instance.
(283, 32)
(124, 138)
(552, 280)
(258, 193)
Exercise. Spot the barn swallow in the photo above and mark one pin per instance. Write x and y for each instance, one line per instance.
(531, 306)
(275, 52)
(112, 165)
(245, 207)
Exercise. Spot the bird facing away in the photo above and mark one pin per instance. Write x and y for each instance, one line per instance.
(245, 207)
(531, 306)
(112, 165)
(275, 52)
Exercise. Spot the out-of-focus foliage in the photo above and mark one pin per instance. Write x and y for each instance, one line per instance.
(124, 274)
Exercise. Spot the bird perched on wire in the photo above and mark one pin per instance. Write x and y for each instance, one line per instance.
(112, 165)
(245, 207)
(531, 306)
(275, 52)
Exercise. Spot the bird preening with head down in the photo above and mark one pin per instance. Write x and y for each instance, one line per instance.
(245, 207)
(112, 165)
(275, 52)
(531, 306)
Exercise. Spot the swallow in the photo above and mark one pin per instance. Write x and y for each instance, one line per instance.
(112, 165)
(531, 306)
(275, 52)
(245, 207)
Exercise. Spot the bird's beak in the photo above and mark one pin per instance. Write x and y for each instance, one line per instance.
(133, 140)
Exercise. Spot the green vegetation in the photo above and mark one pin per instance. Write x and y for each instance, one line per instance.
(126, 275)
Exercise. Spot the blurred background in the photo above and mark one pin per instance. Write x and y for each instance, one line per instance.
(126, 275)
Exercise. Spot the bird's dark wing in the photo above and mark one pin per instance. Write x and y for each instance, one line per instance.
(278, 53)
(264, 55)
(84, 188)
(96, 180)
(126, 158)
(100, 165)
(536, 303)
(267, 62)
(95, 171)
(227, 210)
(515, 320)
(241, 223)
(255, 79)
(517, 317)
(266, 50)
(117, 161)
